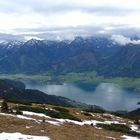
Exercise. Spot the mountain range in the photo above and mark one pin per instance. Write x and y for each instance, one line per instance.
(101, 54)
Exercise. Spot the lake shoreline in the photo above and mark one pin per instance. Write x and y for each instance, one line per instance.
(107, 95)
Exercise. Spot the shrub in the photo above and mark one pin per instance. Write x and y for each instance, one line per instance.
(60, 109)
(115, 127)
(87, 114)
(15, 101)
(95, 110)
(119, 128)
(134, 133)
(18, 112)
(126, 115)
(50, 113)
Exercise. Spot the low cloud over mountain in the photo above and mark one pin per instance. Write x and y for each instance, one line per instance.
(65, 19)
(122, 40)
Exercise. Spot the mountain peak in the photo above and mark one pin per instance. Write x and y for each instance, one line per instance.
(34, 43)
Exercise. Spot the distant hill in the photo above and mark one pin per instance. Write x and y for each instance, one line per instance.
(125, 62)
(135, 112)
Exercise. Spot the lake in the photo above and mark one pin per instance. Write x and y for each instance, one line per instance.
(107, 95)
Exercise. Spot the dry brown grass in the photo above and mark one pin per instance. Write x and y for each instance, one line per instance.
(67, 131)
(75, 132)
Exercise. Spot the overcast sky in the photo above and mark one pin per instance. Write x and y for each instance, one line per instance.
(64, 19)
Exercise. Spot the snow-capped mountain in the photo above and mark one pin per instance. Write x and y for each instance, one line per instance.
(81, 54)
(11, 44)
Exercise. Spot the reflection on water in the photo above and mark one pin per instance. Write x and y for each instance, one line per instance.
(108, 95)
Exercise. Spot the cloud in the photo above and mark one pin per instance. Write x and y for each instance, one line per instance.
(67, 19)
(10, 37)
(32, 37)
(49, 6)
(122, 40)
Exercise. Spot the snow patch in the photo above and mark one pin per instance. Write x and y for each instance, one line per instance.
(19, 136)
(35, 114)
(130, 138)
(26, 118)
(28, 127)
(23, 117)
(110, 138)
(135, 128)
(54, 123)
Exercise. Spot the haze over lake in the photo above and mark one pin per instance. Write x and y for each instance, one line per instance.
(107, 95)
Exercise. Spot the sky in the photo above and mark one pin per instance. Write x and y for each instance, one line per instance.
(65, 19)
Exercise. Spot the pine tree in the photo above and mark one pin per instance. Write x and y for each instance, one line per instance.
(18, 111)
(4, 107)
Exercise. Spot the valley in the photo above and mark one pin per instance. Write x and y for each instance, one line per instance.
(81, 77)
(88, 76)
(35, 115)
(69, 70)
(112, 94)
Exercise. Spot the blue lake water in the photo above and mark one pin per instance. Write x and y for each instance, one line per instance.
(107, 95)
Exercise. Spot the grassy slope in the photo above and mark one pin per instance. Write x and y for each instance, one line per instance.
(65, 131)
